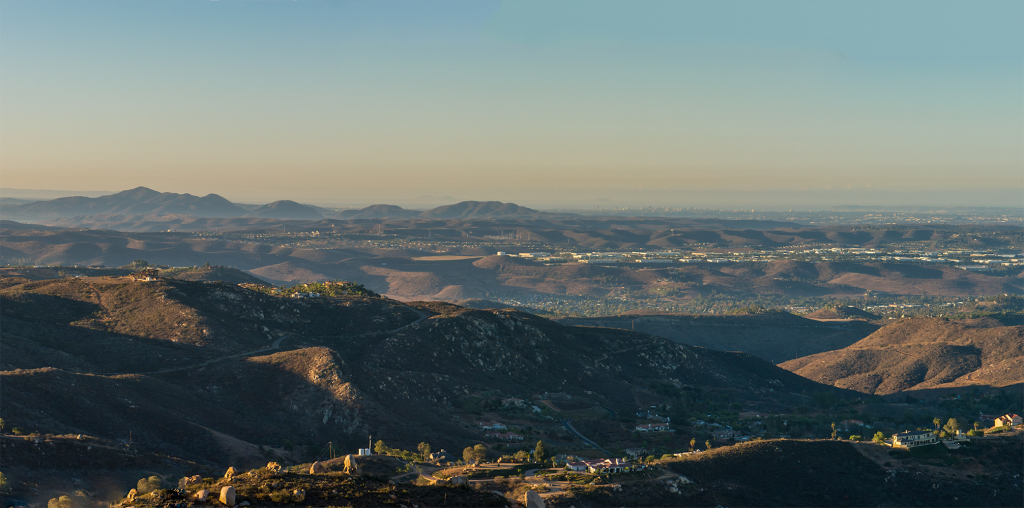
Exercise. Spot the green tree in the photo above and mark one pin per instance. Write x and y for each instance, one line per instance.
(539, 452)
(424, 449)
(879, 437)
(936, 421)
(479, 453)
(380, 448)
(3, 480)
(833, 430)
(467, 454)
(2, 423)
(951, 427)
(708, 444)
(693, 442)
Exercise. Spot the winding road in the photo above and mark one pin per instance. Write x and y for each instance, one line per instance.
(568, 425)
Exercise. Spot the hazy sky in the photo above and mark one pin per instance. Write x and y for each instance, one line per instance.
(730, 103)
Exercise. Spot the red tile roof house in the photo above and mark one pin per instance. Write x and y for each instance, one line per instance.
(607, 465)
(1009, 420)
(647, 427)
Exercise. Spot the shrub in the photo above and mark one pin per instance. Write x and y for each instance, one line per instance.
(281, 496)
(17, 431)
(147, 485)
(1001, 428)
(975, 433)
(855, 437)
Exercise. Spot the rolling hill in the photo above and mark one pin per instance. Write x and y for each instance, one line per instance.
(921, 354)
(285, 209)
(775, 336)
(181, 364)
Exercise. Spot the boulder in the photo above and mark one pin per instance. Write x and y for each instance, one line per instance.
(459, 481)
(533, 500)
(299, 495)
(227, 495)
(189, 480)
(131, 495)
(317, 468)
(202, 495)
(351, 467)
(231, 472)
(273, 467)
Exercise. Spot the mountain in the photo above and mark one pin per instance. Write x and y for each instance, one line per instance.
(182, 364)
(285, 209)
(922, 353)
(774, 336)
(480, 209)
(139, 200)
(378, 212)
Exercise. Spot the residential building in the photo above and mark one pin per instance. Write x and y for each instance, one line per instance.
(652, 427)
(635, 453)
(911, 438)
(492, 425)
(1009, 420)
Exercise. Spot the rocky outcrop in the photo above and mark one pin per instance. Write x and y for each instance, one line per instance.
(317, 468)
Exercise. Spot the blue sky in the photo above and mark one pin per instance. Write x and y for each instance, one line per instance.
(745, 103)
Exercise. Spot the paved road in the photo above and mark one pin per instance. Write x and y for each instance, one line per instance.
(568, 425)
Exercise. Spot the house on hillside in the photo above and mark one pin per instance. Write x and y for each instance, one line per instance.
(493, 425)
(576, 466)
(512, 402)
(635, 453)
(505, 436)
(1009, 420)
(846, 424)
(652, 427)
(607, 465)
(147, 275)
(912, 438)
(723, 434)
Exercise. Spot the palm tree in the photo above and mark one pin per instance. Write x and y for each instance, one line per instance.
(936, 422)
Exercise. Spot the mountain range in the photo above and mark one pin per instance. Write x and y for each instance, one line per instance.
(148, 203)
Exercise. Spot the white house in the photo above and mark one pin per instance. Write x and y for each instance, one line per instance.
(911, 438)
(1009, 420)
(655, 427)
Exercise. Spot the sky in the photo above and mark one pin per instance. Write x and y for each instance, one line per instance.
(752, 104)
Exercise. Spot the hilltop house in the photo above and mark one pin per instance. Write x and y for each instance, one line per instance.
(635, 453)
(607, 465)
(505, 436)
(492, 425)
(846, 424)
(147, 275)
(1009, 420)
(723, 434)
(649, 427)
(512, 401)
(909, 439)
(576, 466)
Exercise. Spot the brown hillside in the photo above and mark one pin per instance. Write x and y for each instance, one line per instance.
(922, 353)
(205, 369)
(775, 337)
